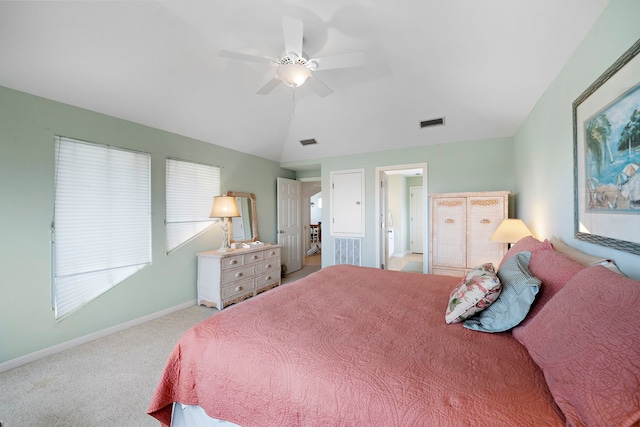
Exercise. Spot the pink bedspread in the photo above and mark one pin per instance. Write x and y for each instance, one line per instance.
(353, 346)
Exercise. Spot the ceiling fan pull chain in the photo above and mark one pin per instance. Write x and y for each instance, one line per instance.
(293, 104)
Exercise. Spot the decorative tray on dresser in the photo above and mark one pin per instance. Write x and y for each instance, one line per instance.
(225, 278)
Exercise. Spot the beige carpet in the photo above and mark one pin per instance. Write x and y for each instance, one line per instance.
(108, 382)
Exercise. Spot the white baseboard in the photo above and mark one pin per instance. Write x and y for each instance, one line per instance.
(32, 357)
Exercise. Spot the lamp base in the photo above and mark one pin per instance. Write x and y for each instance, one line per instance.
(225, 236)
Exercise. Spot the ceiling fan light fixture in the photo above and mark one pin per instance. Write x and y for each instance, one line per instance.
(293, 75)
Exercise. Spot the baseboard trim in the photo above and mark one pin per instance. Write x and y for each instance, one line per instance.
(58, 348)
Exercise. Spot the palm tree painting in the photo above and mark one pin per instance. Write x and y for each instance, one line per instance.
(612, 154)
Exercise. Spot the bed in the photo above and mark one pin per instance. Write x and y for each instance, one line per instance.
(357, 346)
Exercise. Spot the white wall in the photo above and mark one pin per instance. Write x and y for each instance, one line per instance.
(543, 146)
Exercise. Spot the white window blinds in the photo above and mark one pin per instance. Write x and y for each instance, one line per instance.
(190, 191)
(102, 220)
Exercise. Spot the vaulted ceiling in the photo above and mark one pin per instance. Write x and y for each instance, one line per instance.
(481, 64)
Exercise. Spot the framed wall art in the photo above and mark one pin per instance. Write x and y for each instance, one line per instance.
(606, 138)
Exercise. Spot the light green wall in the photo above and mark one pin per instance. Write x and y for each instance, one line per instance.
(485, 165)
(27, 128)
(543, 146)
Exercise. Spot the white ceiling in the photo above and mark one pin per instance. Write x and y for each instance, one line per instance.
(482, 64)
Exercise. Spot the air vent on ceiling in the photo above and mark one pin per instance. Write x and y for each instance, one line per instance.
(432, 122)
(308, 142)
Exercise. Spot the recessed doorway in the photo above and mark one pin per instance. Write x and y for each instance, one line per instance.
(401, 208)
(312, 221)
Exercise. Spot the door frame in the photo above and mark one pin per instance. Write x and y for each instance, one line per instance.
(379, 197)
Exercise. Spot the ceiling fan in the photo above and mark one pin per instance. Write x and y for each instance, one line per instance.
(294, 67)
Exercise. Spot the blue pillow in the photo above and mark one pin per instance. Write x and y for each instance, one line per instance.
(519, 290)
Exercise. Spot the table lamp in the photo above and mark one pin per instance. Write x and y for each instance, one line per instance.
(510, 231)
(224, 207)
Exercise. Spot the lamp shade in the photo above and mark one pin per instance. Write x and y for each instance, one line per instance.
(510, 231)
(224, 207)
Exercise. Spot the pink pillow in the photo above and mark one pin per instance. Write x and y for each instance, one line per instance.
(526, 244)
(554, 270)
(586, 340)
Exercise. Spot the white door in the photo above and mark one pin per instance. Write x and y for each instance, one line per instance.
(347, 203)
(289, 197)
(416, 207)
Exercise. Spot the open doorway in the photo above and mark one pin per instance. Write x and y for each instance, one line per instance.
(401, 204)
(312, 221)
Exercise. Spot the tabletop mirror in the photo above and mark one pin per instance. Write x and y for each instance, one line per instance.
(245, 227)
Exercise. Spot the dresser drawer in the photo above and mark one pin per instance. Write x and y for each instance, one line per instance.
(237, 274)
(254, 257)
(272, 253)
(232, 262)
(267, 280)
(267, 276)
(267, 264)
(238, 288)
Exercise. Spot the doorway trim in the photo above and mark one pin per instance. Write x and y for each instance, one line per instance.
(380, 170)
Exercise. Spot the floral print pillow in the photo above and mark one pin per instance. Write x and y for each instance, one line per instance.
(477, 290)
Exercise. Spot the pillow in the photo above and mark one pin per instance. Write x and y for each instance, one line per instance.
(582, 257)
(586, 341)
(526, 244)
(477, 290)
(575, 254)
(519, 290)
(554, 270)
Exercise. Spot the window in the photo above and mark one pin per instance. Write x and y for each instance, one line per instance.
(190, 191)
(102, 220)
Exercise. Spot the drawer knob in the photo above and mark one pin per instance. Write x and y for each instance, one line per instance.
(254, 257)
(273, 253)
(267, 278)
(233, 261)
(268, 265)
(238, 289)
(239, 274)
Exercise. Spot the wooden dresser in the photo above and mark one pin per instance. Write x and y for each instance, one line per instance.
(225, 278)
(461, 224)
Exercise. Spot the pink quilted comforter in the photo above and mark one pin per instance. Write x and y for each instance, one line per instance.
(353, 346)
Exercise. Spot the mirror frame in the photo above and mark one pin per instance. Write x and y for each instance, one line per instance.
(254, 217)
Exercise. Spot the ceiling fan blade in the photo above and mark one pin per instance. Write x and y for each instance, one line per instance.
(269, 86)
(245, 57)
(292, 29)
(346, 60)
(318, 87)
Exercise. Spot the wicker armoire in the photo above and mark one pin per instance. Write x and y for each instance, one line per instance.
(460, 227)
